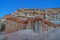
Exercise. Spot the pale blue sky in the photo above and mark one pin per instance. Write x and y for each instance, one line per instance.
(9, 6)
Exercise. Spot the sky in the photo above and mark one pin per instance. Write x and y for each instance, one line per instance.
(10, 6)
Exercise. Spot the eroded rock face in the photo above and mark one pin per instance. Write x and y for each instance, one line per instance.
(23, 35)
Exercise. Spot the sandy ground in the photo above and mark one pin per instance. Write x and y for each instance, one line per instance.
(1, 35)
(30, 35)
(23, 35)
(53, 35)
